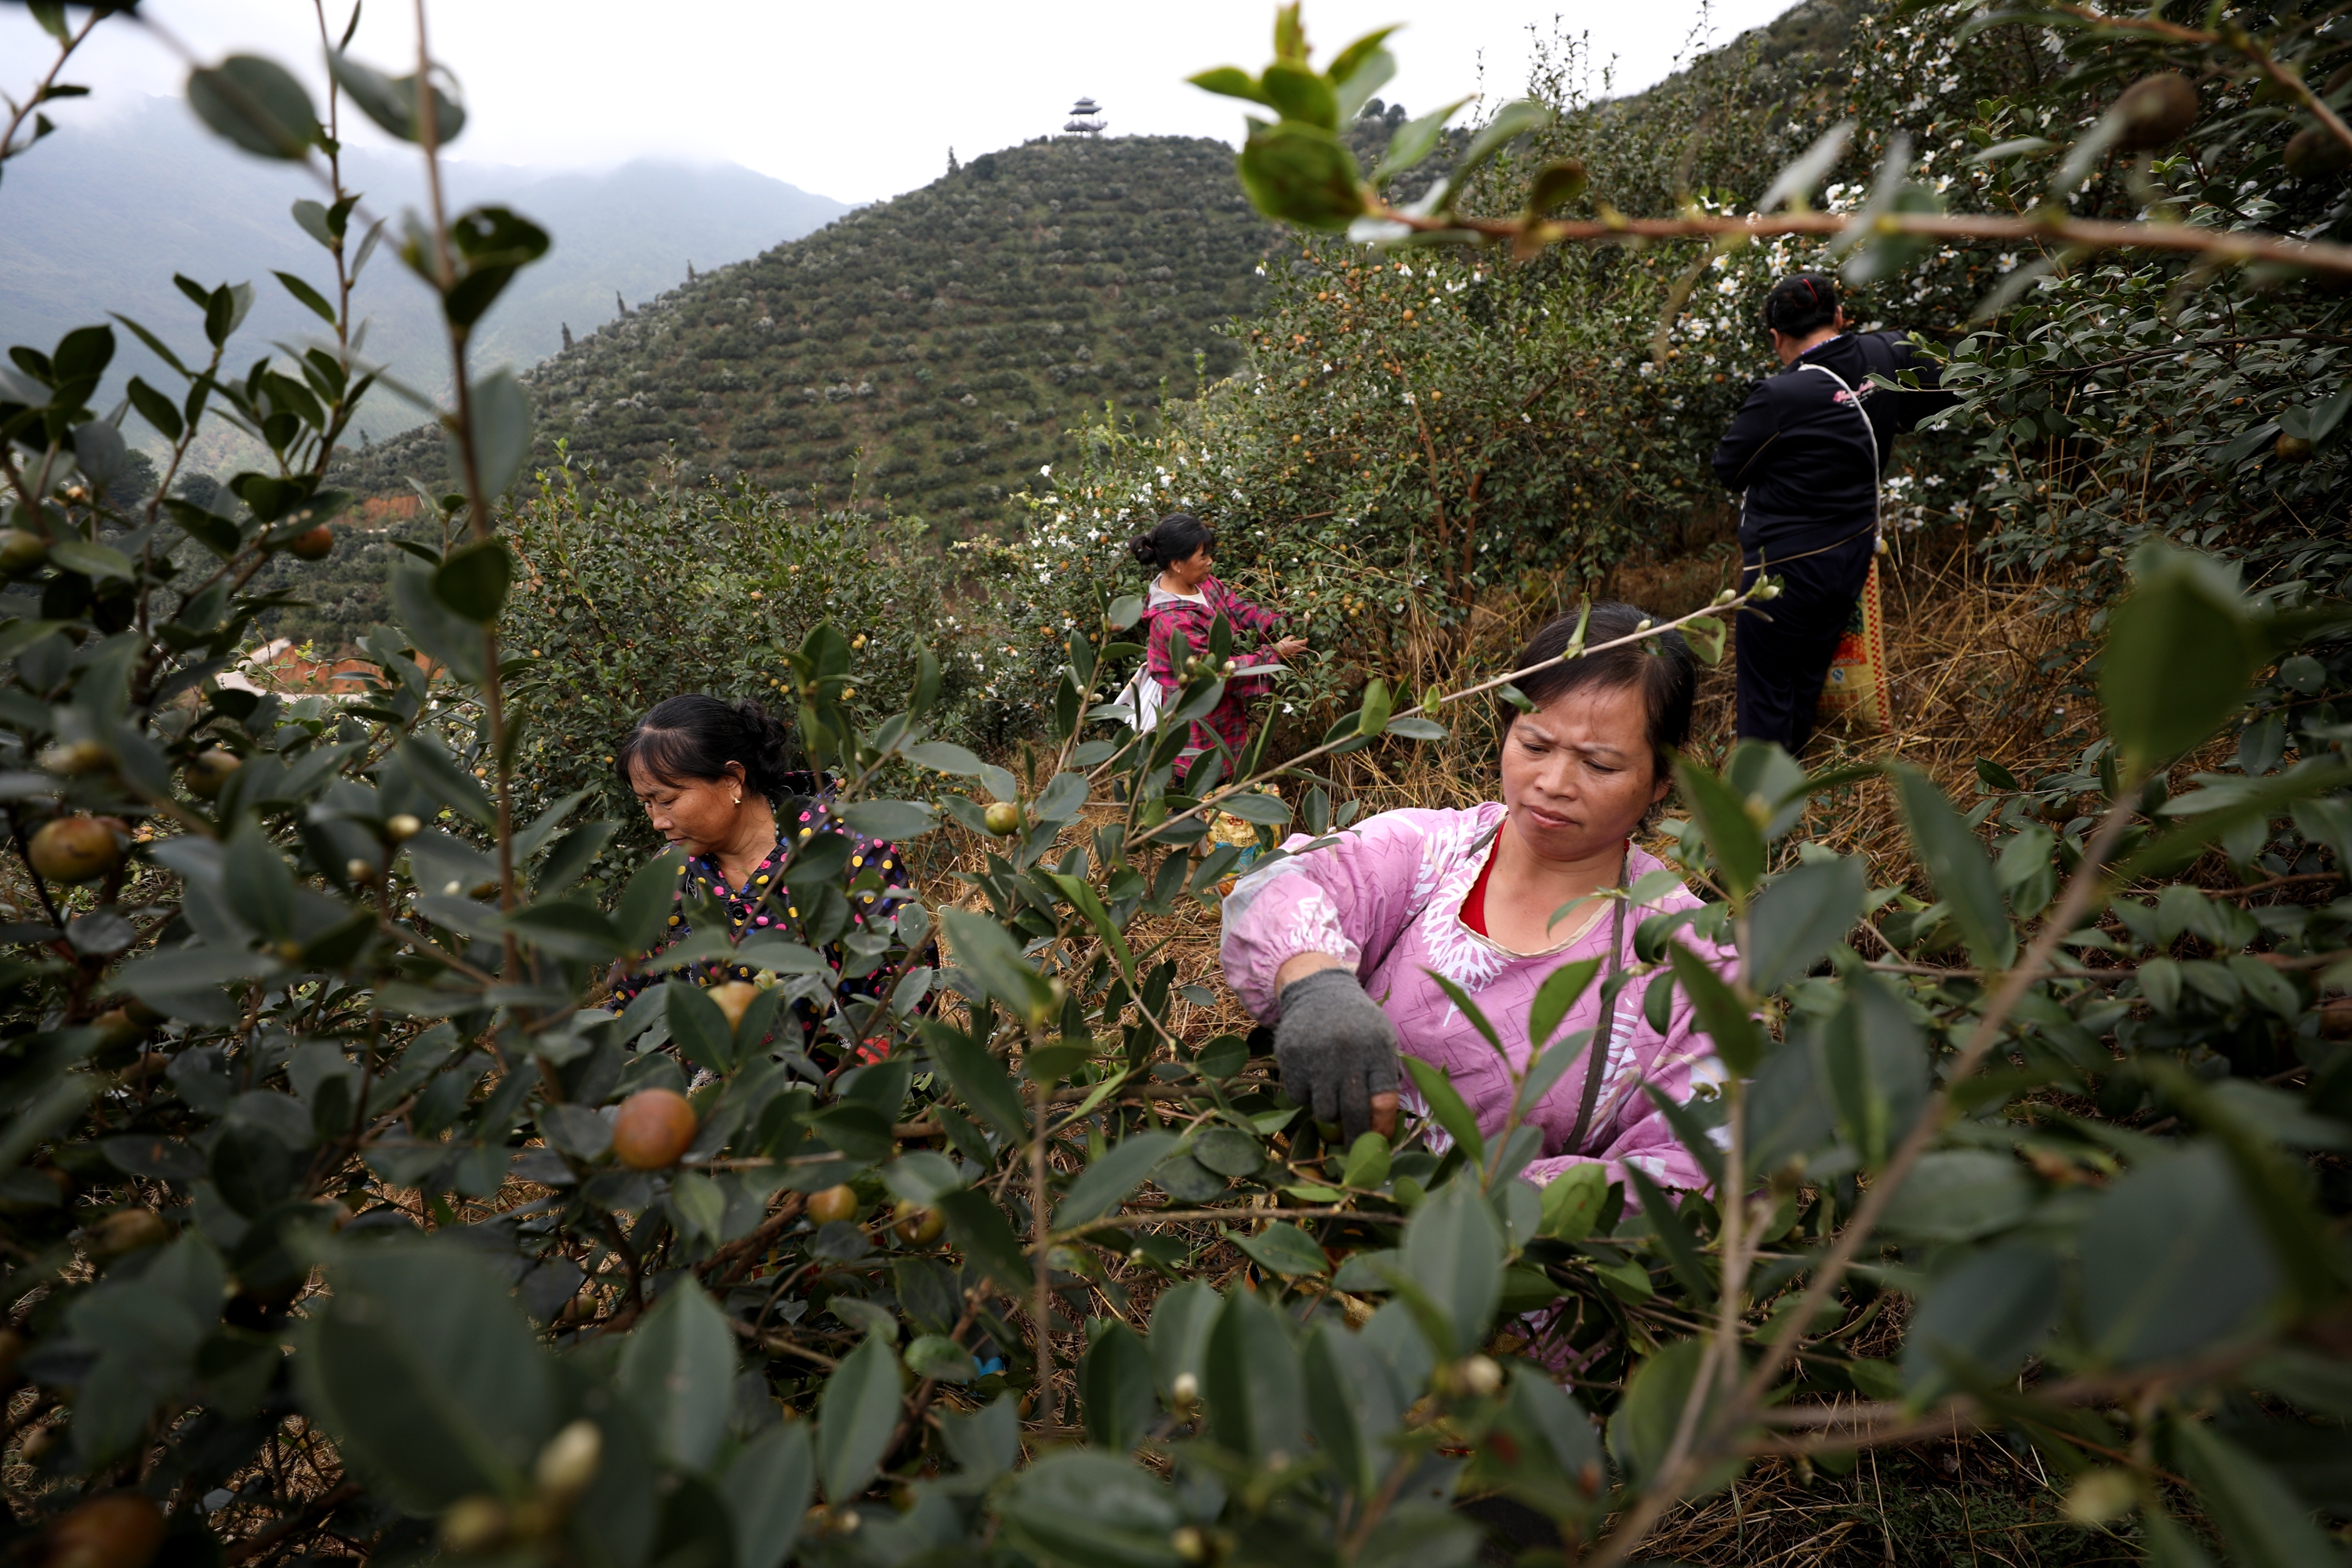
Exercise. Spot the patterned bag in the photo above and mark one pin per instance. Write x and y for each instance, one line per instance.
(1857, 684)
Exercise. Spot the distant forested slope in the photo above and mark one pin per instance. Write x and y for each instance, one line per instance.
(931, 349)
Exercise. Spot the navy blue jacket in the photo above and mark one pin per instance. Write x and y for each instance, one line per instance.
(1800, 453)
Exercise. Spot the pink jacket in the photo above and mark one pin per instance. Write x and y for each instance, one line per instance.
(1388, 894)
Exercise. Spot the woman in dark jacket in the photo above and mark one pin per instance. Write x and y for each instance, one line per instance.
(1806, 451)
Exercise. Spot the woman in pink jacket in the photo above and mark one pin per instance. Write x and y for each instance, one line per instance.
(1336, 947)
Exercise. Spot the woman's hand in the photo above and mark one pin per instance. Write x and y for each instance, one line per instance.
(1337, 1051)
(1290, 648)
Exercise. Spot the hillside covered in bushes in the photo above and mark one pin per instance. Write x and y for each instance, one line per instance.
(928, 351)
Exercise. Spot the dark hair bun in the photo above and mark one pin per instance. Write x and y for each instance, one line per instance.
(696, 737)
(1801, 304)
(1179, 536)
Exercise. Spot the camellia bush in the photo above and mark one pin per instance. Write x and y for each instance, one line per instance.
(340, 1221)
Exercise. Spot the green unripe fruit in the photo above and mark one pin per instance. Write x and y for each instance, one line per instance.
(208, 772)
(1003, 817)
(2291, 448)
(21, 551)
(2156, 111)
(2314, 153)
(76, 849)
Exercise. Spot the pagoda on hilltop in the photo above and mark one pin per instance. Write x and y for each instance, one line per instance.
(1085, 118)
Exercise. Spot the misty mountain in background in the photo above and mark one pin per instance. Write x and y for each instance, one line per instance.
(98, 217)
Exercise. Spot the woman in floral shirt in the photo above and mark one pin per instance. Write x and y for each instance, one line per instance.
(714, 780)
(1184, 604)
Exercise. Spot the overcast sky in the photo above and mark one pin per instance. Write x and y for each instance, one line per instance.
(855, 99)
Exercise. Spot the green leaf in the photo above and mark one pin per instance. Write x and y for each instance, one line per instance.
(980, 1080)
(2172, 1262)
(1447, 1107)
(567, 931)
(766, 1489)
(501, 427)
(473, 581)
(1732, 834)
(1092, 1510)
(1227, 81)
(1284, 1249)
(2264, 1520)
(1722, 1016)
(309, 297)
(1872, 1056)
(156, 409)
(678, 1369)
(1374, 714)
(898, 820)
(1799, 916)
(1108, 1180)
(428, 1373)
(99, 563)
(432, 626)
(1674, 1236)
(642, 913)
(1302, 175)
(1557, 183)
(1414, 141)
(1572, 1202)
(1252, 1382)
(1115, 1386)
(856, 1414)
(985, 1237)
(699, 1029)
(984, 949)
(255, 103)
(2179, 654)
(1301, 95)
(1958, 1194)
(391, 101)
(438, 773)
(1181, 1321)
(1453, 1252)
(1956, 858)
(1514, 120)
(1648, 1418)
(1991, 1311)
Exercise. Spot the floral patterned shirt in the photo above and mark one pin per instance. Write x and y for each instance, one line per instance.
(761, 903)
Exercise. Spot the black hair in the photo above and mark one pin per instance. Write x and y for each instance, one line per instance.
(1179, 536)
(696, 736)
(1662, 665)
(1801, 304)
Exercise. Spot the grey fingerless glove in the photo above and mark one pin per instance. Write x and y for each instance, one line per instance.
(1336, 1048)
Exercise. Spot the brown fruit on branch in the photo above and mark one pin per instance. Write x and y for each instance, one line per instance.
(734, 998)
(2314, 152)
(120, 1530)
(916, 1225)
(653, 1126)
(76, 849)
(834, 1203)
(1003, 817)
(74, 758)
(128, 1230)
(20, 551)
(315, 545)
(207, 771)
(2156, 111)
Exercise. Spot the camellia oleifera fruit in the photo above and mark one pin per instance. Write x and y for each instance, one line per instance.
(120, 1530)
(208, 772)
(315, 545)
(2156, 111)
(915, 1225)
(653, 1127)
(21, 550)
(834, 1203)
(734, 998)
(2314, 152)
(76, 849)
(128, 1230)
(1003, 817)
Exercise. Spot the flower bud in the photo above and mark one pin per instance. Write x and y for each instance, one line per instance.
(402, 827)
(1187, 1392)
(569, 1461)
